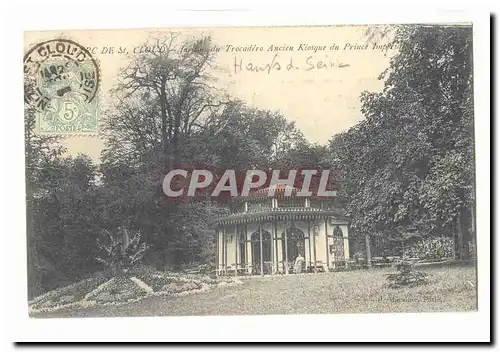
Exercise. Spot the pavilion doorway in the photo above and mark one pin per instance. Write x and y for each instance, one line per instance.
(338, 246)
(293, 245)
(266, 252)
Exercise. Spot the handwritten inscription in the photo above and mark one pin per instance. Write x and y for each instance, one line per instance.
(278, 64)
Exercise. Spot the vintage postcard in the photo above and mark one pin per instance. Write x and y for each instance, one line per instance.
(250, 171)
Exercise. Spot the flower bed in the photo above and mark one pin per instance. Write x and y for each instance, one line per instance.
(66, 295)
(157, 281)
(119, 289)
(221, 281)
(179, 287)
(126, 289)
(168, 284)
(207, 279)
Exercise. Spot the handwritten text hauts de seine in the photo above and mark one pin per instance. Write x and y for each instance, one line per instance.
(313, 62)
(279, 64)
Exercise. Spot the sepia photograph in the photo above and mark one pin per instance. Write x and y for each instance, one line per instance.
(159, 182)
(306, 182)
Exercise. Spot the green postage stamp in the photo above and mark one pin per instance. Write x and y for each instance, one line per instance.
(63, 82)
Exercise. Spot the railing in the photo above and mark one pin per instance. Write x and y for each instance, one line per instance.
(257, 209)
(282, 210)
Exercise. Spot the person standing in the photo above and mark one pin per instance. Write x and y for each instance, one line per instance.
(299, 261)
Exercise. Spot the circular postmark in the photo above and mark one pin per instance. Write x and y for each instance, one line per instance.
(64, 83)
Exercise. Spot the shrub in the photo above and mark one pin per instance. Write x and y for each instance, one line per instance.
(157, 282)
(122, 252)
(206, 269)
(143, 270)
(406, 275)
(432, 248)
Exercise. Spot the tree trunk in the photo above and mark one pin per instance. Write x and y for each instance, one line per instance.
(164, 124)
(473, 232)
(176, 137)
(368, 251)
(462, 251)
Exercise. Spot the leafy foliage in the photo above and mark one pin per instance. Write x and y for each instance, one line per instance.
(432, 248)
(410, 162)
(122, 251)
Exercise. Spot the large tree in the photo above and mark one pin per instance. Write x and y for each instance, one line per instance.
(61, 208)
(168, 113)
(170, 91)
(411, 159)
(40, 152)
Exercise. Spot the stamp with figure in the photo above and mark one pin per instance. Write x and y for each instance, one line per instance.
(65, 80)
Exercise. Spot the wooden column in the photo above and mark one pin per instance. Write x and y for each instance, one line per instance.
(286, 247)
(309, 240)
(276, 245)
(272, 251)
(236, 242)
(327, 247)
(261, 251)
(314, 250)
(250, 253)
(224, 248)
(221, 249)
(217, 250)
(246, 246)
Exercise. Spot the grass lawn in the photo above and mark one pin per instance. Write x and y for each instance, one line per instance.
(450, 289)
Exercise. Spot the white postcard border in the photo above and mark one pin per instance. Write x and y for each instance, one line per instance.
(355, 327)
